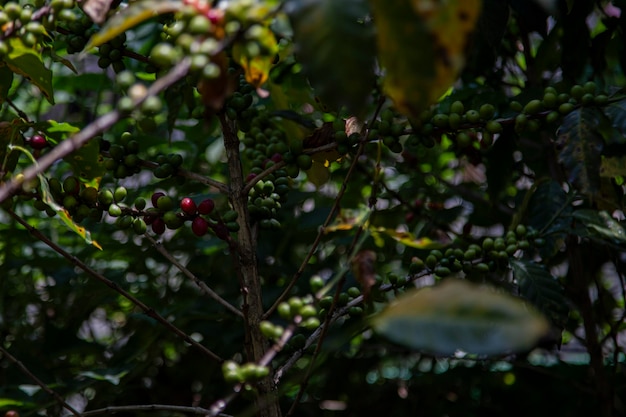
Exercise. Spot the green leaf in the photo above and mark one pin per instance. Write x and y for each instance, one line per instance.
(616, 112)
(421, 46)
(548, 213)
(335, 45)
(6, 79)
(539, 287)
(87, 163)
(28, 63)
(601, 224)
(132, 16)
(458, 315)
(10, 136)
(105, 375)
(581, 149)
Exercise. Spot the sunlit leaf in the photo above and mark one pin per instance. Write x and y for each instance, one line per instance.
(458, 315)
(335, 45)
(421, 46)
(408, 239)
(105, 376)
(256, 64)
(9, 402)
(28, 63)
(601, 224)
(348, 219)
(133, 15)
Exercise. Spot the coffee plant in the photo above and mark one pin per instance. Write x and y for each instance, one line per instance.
(315, 207)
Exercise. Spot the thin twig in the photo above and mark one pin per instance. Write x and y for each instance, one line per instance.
(331, 215)
(152, 407)
(148, 310)
(39, 382)
(201, 284)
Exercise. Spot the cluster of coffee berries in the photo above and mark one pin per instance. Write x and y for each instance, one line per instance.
(192, 34)
(390, 128)
(347, 142)
(248, 372)
(124, 160)
(302, 309)
(343, 299)
(78, 31)
(19, 20)
(491, 255)
(200, 223)
(554, 105)
(80, 201)
(167, 165)
(112, 54)
(237, 107)
(144, 114)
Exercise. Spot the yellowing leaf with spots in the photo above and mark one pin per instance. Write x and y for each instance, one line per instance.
(64, 215)
(256, 57)
(421, 46)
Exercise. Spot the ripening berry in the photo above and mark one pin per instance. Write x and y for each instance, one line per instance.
(188, 206)
(158, 226)
(155, 197)
(206, 206)
(199, 226)
(38, 142)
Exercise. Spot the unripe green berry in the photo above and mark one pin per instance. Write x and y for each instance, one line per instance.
(304, 162)
(284, 310)
(533, 107)
(472, 116)
(589, 87)
(441, 120)
(139, 226)
(577, 92)
(308, 311)
(457, 107)
(267, 329)
(120, 194)
(442, 271)
(566, 108)
(550, 100)
(311, 323)
(115, 210)
(493, 126)
(316, 283)
(487, 111)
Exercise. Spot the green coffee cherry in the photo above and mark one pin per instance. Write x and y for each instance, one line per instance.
(120, 194)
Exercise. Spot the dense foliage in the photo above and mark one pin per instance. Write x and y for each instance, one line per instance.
(224, 209)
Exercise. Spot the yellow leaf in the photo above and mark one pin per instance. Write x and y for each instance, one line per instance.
(256, 57)
(422, 47)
